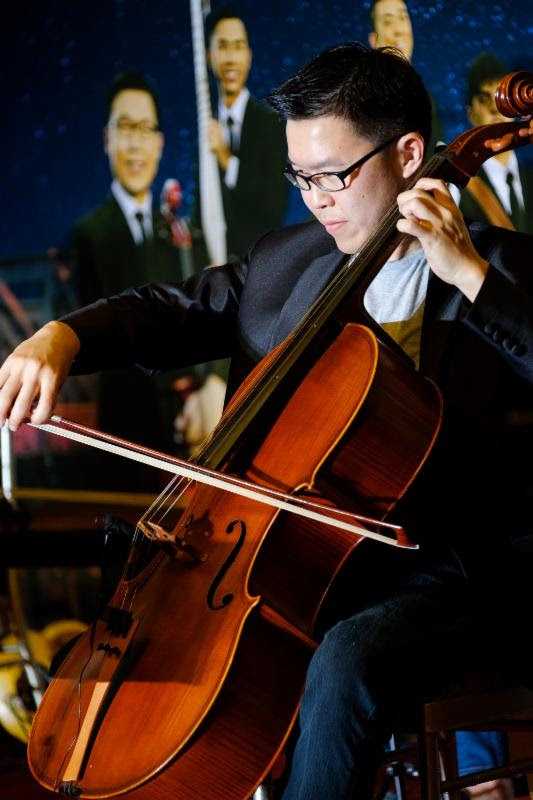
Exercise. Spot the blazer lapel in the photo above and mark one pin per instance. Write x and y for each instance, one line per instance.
(442, 308)
(118, 222)
(249, 132)
(305, 292)
(526, 180)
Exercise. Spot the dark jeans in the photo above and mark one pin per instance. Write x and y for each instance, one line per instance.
(370, 674)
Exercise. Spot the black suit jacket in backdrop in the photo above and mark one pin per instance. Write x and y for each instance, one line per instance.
(132, 404)
(258, 201)
(475, 494)
(473, 211)
(107, 260)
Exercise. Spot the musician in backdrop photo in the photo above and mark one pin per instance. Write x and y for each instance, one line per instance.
(246, 137)
(457, 301)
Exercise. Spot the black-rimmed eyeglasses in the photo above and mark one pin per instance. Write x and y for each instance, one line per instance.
(126, 128)
(331, 181)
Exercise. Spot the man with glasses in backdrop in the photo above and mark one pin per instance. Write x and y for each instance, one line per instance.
(457, 301)
(124, 242)
(502, 191)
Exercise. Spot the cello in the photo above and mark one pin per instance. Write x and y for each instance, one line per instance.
(188, 684)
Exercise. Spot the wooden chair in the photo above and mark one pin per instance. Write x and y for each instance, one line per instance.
(509, 710)
(434, 762)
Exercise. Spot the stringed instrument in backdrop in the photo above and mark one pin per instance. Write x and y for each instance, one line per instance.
(187, 686)
(210, 190)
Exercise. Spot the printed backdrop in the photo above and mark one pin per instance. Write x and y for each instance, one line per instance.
(60, 57)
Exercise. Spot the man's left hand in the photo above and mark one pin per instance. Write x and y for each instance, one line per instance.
(431, 216)
(508, 140)
(501, 789)
(527, 130)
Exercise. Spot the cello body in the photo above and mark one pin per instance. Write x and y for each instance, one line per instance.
(190, 685)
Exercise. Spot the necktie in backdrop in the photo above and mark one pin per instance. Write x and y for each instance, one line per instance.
(232, 137)
(139, 216)
(142, 265)
(516, 209)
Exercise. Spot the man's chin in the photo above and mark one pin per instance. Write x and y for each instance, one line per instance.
(344, 243)
(136, 188)
(232, 90)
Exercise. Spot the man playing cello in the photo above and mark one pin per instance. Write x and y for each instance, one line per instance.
(456, 299)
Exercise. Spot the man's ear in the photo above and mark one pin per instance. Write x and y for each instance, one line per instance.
(373, 39)
(411, 148)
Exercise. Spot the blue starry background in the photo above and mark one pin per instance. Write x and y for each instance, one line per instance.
(60, 56)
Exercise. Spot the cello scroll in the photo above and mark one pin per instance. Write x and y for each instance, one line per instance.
(514, 95)
(468, 152)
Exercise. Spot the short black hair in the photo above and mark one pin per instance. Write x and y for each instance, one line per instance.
(378, 91)
(132, 80)
(223, 12)
(485, 67)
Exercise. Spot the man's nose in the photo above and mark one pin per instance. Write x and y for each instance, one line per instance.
(230, 53)
(318, 198)
(135, 138)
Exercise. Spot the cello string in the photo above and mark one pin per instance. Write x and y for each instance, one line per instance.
(161, 500)
(139, 534)
(165, 506)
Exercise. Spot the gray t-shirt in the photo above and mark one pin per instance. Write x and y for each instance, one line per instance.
(395, 299)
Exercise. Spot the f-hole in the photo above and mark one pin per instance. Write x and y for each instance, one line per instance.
(227, 598)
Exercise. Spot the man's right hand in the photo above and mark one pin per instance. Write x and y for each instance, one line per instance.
(34, 372)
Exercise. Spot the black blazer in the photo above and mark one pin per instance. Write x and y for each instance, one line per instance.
(475, 494)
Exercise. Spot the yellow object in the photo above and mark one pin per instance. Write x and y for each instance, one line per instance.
(16, 715)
